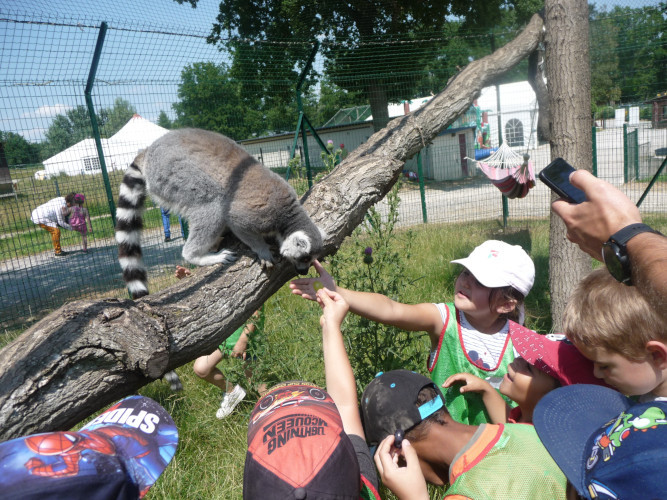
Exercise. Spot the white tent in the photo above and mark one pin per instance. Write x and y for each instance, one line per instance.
(82, 158)
(137, 134)
(119, 150)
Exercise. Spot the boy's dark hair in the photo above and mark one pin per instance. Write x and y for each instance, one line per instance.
(69, 198)
(420, 431)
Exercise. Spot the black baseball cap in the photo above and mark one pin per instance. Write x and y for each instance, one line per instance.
(389, 403)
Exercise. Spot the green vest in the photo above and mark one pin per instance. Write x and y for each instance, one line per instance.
(506, 462)
(450, 358)
(368, 491)
(231, 341)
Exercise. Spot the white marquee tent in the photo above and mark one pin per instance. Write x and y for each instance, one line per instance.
(119, 150)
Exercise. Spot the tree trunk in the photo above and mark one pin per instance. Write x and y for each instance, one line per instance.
(539, 85)
(88, 354)
(377, 98)
(568, 77)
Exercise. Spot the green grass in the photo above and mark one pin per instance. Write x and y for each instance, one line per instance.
(211, 453)
(210, 458)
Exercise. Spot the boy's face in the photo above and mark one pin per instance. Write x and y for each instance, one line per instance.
(632, 378)
(525, 383)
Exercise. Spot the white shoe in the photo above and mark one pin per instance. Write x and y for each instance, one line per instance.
(174, 381)
(229, 401)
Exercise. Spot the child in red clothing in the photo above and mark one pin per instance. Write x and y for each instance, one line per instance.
(78, 217)
(542, 363)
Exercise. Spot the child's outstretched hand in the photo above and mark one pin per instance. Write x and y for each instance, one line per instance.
(308, 287)
(334, 308)
(181, 272)
(470, 383)
(405, 482)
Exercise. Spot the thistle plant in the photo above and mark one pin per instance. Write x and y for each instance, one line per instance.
(375, 262)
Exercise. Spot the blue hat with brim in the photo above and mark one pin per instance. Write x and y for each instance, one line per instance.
(118, 455)
(607, 445)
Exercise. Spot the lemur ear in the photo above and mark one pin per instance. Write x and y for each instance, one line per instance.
(322, 233)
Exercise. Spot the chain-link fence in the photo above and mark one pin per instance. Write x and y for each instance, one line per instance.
(82, 93)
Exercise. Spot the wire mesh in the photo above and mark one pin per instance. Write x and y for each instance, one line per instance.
(158, 70)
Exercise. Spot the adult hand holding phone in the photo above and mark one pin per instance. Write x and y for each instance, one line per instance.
(591, 223)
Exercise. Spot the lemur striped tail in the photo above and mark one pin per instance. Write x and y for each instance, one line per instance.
(129, 223)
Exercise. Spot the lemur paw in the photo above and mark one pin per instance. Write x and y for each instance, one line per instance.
(267, 265)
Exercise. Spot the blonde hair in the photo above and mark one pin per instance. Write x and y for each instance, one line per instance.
(601, 312)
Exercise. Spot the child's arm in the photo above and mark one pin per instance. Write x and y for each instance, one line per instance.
(495, 405)
(340, 382)
(374, 306)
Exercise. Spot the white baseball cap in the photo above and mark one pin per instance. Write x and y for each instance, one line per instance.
(497, 264)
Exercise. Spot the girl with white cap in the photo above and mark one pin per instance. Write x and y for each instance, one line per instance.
(470, 334)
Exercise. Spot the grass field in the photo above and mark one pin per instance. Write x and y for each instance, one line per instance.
(209, 461)
(211, 453)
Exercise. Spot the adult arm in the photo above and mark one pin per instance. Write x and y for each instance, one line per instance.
(606, 211)
(374, 306)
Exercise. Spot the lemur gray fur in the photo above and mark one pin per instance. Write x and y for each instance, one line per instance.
(217, 186)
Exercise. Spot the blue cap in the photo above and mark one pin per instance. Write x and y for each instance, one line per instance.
(118, 455)
(607, 445)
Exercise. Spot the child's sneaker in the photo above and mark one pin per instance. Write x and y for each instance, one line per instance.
(174, 381)
(229, 401)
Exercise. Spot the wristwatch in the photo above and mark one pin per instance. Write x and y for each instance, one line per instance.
(615, 252)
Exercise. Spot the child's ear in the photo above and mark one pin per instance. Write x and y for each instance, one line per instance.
(658, 353)
(506, 306)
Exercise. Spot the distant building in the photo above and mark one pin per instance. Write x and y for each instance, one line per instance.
(445, 158)
(659, 115)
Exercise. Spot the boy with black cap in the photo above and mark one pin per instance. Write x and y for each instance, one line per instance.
(418, 440)
(305, 443)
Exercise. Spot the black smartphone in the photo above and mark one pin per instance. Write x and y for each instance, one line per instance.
(556, 175)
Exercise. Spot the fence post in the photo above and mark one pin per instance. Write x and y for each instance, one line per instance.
(625, 153)
(595, 151)
(506, 210)
(422, 194)
(93, 118)
(636, 135)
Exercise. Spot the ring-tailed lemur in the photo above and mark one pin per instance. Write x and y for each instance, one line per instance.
(217, 186)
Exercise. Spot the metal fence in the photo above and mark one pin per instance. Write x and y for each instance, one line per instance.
(81, 94)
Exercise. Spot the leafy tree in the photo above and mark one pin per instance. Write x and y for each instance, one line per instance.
(18, 151)
(116, 117)
(604, 61)
(59, 135)
(629, 56)
(374, 47)
(210, 99)
(164, 121)
(74, 126)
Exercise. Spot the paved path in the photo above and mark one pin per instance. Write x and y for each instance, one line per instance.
(29, 285)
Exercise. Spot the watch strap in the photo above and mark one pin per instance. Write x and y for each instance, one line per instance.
(628, 232)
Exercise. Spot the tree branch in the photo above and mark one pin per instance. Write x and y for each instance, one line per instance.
(88, 354)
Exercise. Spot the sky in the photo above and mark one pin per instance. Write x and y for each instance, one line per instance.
(46, 50)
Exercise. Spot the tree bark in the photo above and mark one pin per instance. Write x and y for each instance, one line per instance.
(539, 86)
(568, 77)
(88, 354)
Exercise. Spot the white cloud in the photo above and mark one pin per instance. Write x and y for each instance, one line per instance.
(49, 111)
(33, 135)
